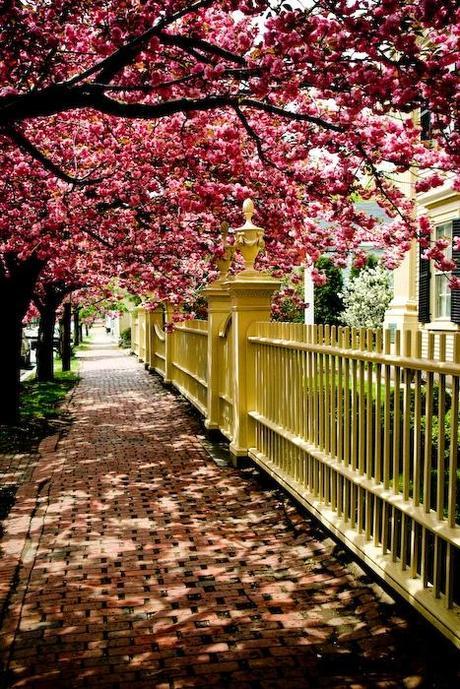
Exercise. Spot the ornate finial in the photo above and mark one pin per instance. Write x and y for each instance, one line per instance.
(248, 210)
(249, 238)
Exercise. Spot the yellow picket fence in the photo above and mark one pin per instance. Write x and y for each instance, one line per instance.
(180, 356)
(361, 430)
(360, 426)
(157, 358)
(135, 331)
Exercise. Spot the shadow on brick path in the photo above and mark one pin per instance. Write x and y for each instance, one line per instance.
(144, 564)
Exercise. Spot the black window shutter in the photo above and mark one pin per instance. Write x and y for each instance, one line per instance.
(423, 288)
(455, 297)
(425, 124)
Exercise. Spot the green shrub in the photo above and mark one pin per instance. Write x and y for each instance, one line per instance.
(125, 338)
(366, 298)
(328, 305)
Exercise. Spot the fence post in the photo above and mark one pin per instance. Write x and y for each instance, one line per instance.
(218, 311)
(148, 340)
(218, 298)
(135, 331)
(140, 333)
(155, 318)
(169, 347)
(145, 336)
(250, 292)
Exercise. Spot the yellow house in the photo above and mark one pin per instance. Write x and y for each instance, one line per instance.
(422, 297)
(438, 306)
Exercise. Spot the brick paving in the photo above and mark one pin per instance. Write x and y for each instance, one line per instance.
(141, 563)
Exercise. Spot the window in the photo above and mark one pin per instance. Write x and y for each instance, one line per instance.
(442, 293)
(436, 302)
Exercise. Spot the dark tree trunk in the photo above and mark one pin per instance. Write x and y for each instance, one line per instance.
(10, 358)
(17, 284)
(66, 344)
(45, 348)
(86, 330)
(80, 330)
(47, 301)
(76, 327)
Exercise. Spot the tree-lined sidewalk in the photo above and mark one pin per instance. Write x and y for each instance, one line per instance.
(142, 563)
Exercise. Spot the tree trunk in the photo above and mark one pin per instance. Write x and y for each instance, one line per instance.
(10, 362)
(76, 327)
(45, 349)
(86, 330)
(16, 288)
(66, 346)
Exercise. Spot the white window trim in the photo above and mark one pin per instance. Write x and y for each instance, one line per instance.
(443, 324)
(434, 274)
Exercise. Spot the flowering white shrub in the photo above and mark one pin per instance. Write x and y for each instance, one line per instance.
(367, 297)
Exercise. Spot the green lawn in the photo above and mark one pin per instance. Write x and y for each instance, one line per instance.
(83, 346)
(41, 400)
(41, 413)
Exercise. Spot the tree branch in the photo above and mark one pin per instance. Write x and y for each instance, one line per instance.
(252, 135)
(238, 73)
(101, 102)
(258, 142)
(200, 44)
(289, 114)
(95, 236)
(377, 177)
(60, 98)
(111, 65)
(23, 143)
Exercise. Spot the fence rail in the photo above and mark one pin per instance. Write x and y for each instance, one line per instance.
(360, 425)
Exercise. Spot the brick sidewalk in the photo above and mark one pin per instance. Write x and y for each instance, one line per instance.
(143, 564)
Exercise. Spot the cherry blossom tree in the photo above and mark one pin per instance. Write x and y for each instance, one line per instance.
(137, 128)
(333, 69)
(163, 57)
(319, 80)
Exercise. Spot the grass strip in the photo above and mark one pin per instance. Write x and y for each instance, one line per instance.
(40, 413)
